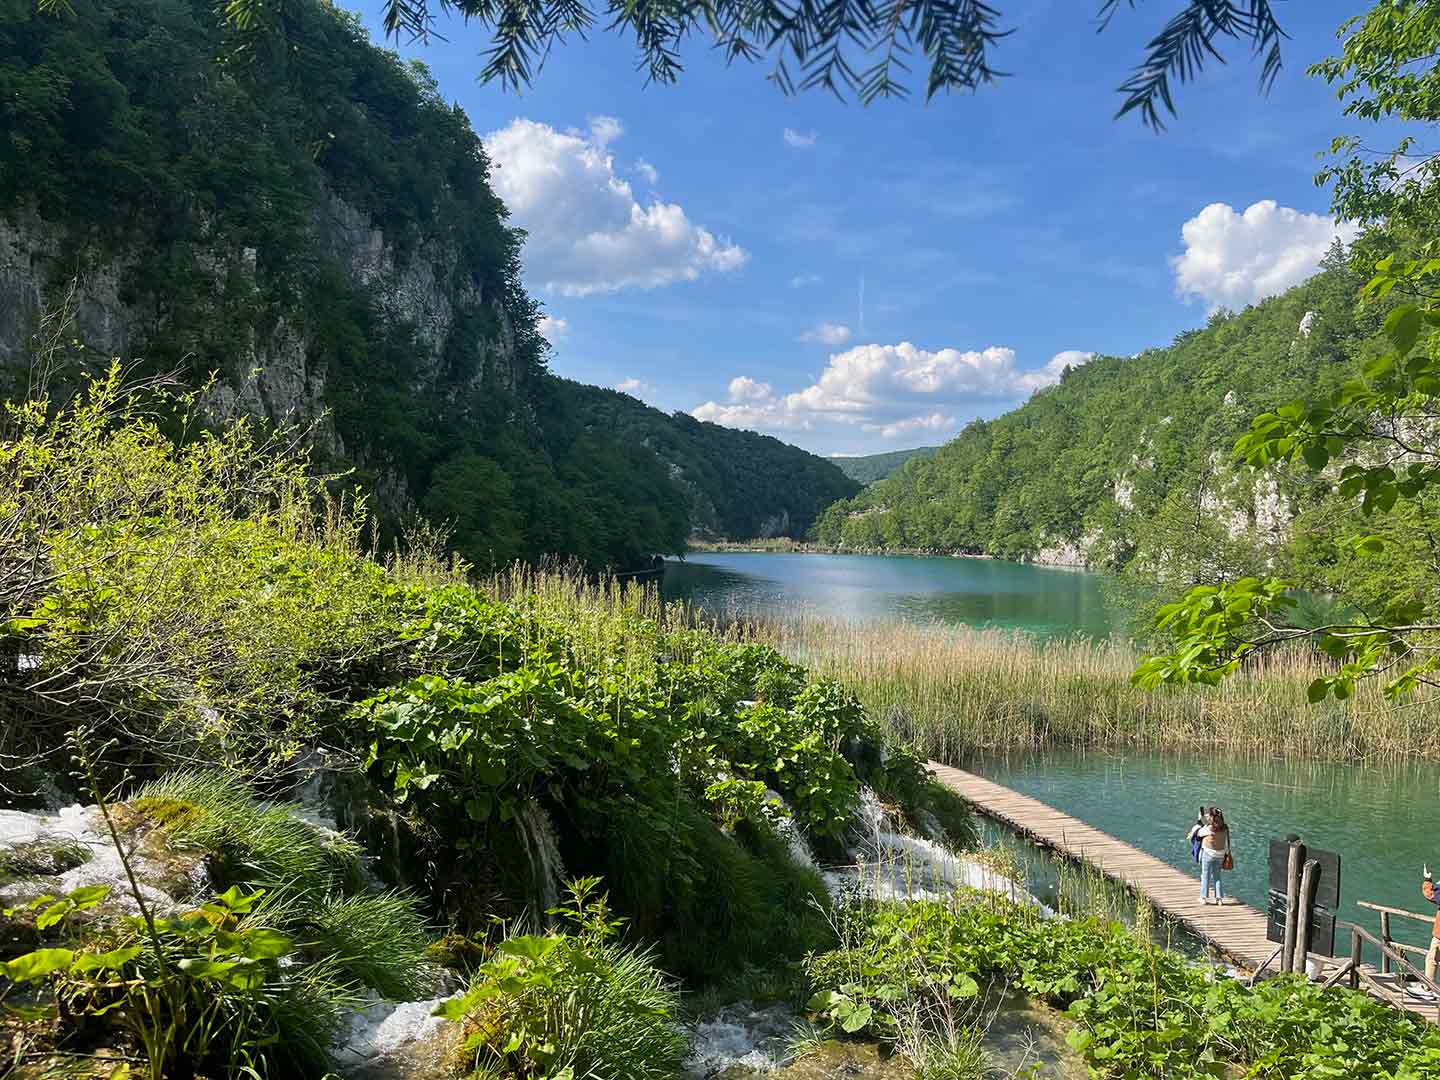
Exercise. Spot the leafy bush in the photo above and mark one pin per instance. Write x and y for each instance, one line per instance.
(572, 1005)
(214, 991)
(1139, 1010)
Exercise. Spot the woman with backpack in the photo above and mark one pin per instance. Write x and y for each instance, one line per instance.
(1215, 857)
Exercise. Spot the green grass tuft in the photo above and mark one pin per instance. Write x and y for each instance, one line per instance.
(379, 940)
(253, 844)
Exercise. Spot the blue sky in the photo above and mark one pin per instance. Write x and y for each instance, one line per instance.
(689, 250)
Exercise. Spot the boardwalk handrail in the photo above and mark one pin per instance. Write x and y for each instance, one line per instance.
(1385, 935)
(1356, 971)
(1426, 919)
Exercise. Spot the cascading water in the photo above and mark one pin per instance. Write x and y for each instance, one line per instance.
(893, 866)
(789, 830)
(537, 833)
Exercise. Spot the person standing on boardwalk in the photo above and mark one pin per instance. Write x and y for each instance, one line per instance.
(1432, 958)
(1215, 856)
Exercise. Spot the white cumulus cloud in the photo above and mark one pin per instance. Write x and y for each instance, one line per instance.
(933, 422)
(553, 329)
(889, 389)
(744, 388)
(634, 387)
(604, 130)
(1232, 259)
(587, 232)
(827, 333)
(648, 171)
(801, 140)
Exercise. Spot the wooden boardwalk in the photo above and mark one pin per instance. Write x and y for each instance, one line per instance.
(1234, 929)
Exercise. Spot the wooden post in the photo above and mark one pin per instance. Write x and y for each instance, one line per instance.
(1292, 901)
(1357, 944)
(1302, 921)
(1385, 937)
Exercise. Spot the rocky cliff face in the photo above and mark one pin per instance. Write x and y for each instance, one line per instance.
(83, 292)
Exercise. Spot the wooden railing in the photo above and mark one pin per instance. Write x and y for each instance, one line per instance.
(1392, 955)
(1385, 915)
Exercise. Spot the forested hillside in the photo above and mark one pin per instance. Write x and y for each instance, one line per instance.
(869, 468)
(1129, 457)
(304, 216)
(739, 484)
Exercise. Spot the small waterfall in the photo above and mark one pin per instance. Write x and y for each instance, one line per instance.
(789, 830)
(893, 866)
(537, 833)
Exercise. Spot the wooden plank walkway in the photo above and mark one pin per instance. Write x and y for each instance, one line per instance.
(1234, 929)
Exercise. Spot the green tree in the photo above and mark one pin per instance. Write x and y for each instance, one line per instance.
(860, 47)
(473, 497)
(1374, 441)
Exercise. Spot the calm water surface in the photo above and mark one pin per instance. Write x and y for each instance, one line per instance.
(1381, 821)
(971, 592)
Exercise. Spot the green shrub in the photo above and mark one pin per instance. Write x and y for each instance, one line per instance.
(577, 1004)
(217, 991)
(1139, 1010)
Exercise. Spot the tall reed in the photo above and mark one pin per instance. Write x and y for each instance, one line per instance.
(951, 691)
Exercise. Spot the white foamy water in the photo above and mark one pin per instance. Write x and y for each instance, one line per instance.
(740, 1035)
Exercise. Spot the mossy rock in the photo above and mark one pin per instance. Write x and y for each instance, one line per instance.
(42, 858)
(457, 952)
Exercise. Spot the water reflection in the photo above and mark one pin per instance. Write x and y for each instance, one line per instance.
(971, 592)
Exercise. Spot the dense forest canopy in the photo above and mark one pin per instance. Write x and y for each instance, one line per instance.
(215, 173)
(1100, 453)
(868, 468)
(740, 484)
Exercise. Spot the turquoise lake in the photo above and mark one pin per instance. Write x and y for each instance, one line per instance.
(971, 592)
(1381, 819)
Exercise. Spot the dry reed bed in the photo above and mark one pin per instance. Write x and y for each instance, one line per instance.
(950, 691)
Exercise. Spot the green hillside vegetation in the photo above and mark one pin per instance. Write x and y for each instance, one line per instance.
(269, 125)
(1127, 456)
(193, 633)
(869, 468)
(739, 484)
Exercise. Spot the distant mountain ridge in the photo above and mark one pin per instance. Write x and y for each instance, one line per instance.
(1083, 472)
(739, 485)
(868, 468)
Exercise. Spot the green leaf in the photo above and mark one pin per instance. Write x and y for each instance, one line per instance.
(1368, 545)
(1318, 690)
(106, 961)
(1402, 327)
(88, 896)
(264, 944)
(856, 1019)
(38, 964)
(1315, 455)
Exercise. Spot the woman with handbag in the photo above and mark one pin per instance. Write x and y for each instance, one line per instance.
(1215, 855)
